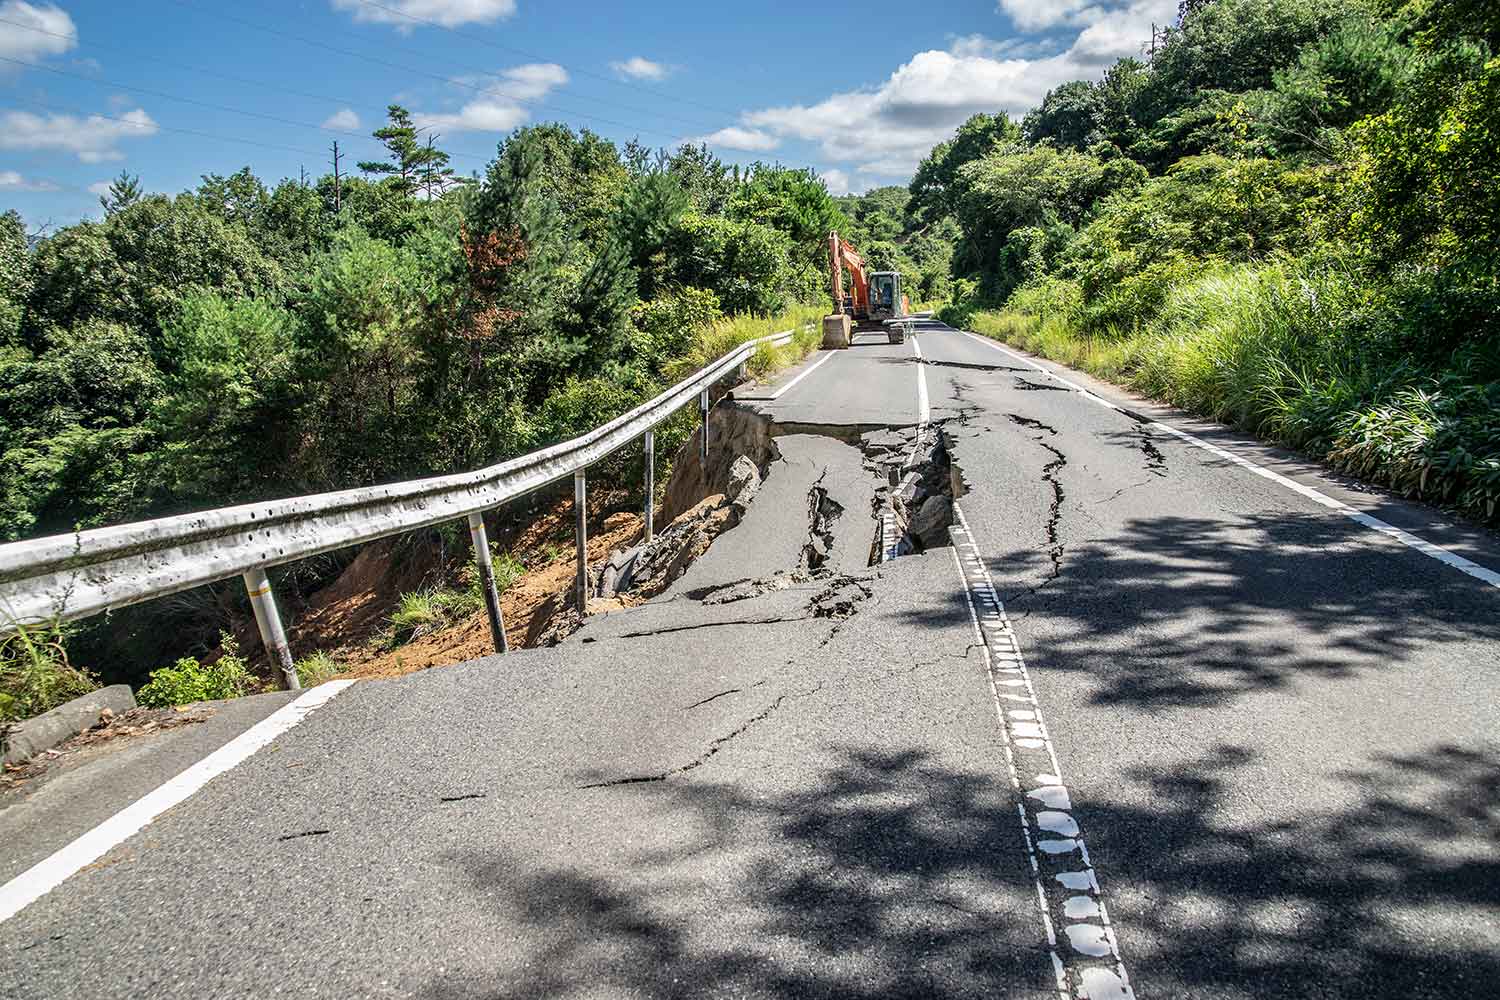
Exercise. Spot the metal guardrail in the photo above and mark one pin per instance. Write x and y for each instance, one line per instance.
(66, 577)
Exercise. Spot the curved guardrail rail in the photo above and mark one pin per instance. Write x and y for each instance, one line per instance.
(65, 577)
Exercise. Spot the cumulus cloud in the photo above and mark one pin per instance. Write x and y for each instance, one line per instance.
(101, 188)
(344, 119)
(497, 105)
(640, 68)
(10, 180)
(887, 129)
(837, 182)
(734, 137)
(1036, 15)
(54, 31)
(407, 14)
(92, 139)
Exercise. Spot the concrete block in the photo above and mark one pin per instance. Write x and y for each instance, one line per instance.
(26, 739)
(835, 331)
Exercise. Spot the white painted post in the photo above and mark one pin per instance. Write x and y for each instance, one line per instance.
(650, 484)
(272, 636)
(581, 530)
(703, 435)
(486, 565)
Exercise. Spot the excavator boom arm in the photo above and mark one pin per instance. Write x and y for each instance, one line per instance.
(841, 256)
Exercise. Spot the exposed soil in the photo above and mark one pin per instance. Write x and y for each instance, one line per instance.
(346, 618)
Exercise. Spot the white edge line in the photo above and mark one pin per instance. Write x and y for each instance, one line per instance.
(814, 367)
(49, 873)
(924, 412)
(1411, 541)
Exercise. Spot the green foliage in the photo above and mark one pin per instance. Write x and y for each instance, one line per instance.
(73, 422)
(35, 675)
(124, 191)
(1426, 174)
(1043, 190)
(745, 264)
(189, 680)
(794, 203)
(933, 193)
(666, 328)
(423, 612)
(1206, 209)
(316, 668)
(137, 266)
(1072, 116)
(15, 277)
(233, 366)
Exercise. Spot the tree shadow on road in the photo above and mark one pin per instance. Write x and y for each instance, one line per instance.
(1173, 611)
(892, 875)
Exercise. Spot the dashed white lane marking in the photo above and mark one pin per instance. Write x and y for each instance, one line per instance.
(1086, 959)
(924, 412)
(812, 368)
(49, 873)
(1442, 555)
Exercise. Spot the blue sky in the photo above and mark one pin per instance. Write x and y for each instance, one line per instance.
(172, 89)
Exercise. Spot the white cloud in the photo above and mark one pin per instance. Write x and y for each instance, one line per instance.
(344, 119)
(886, 130)
(10, 180)
(408, 14)
(734, 137)
(1008, 48)
(837, 182)
(101, 188)
(92, 139)
(497, 106)
(641, 68)
(1035, 15)
(24, 43)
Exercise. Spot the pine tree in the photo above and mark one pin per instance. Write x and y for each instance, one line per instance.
(124, 191)
(408, 156)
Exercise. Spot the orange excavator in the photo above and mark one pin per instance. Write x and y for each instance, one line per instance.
(874, 301)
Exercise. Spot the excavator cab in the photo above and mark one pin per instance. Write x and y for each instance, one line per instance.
(885, 295)
(888, 305)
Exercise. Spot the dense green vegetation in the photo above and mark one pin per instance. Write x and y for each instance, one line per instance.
(1288, 218)
(242, 341)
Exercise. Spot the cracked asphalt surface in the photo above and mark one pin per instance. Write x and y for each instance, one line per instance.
(1278, 730)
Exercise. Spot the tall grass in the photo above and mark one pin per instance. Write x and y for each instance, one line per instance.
(1300, 355)
(35, 675)
(727, 334)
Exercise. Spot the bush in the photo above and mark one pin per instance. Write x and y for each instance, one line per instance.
(188, 680)
(35, 675)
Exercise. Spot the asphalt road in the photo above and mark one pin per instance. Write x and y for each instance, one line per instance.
(1220, 741)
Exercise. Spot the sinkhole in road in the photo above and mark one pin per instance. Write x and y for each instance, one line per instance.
(913, 507)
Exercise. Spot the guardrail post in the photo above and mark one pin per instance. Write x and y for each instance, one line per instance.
(703, 435)
(650, 484)
(581, 529)
(272, 636)
(485, 562)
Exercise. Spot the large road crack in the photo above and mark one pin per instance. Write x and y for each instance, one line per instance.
(1156, 462)
(1055, 546)
(713, 747)
(822, 512)
(668, 630)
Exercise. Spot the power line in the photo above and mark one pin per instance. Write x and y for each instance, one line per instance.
(531, 55)
(156, 126)
(486, 91)
(460, 150)
(302, 93)
(116, 85)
